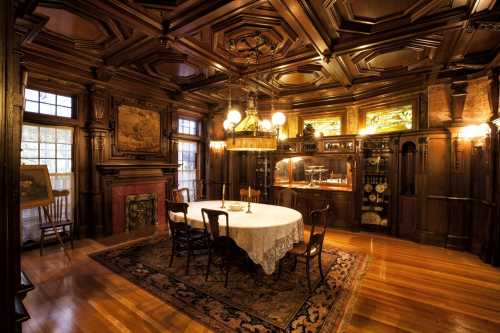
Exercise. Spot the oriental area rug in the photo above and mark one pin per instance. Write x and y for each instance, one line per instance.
(253, 301)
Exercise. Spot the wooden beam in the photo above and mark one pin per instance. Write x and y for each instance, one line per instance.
(208, 12)
(300, 16)
(132, 16)
(205, 83)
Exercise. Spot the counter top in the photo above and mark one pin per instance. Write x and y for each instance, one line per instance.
(316, 187)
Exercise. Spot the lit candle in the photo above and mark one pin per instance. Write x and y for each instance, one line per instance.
(249, 192)
(223, 191)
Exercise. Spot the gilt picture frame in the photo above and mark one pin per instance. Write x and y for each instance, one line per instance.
(35, 186)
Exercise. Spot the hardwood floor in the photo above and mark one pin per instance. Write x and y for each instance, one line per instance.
(408, 288)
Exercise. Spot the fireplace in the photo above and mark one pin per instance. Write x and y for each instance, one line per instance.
(140, 210)
(133, 191)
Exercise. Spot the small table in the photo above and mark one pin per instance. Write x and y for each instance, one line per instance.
(266, 234)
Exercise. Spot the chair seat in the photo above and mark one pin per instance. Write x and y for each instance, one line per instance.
(194, 233)
(300, 249)
(56, 224)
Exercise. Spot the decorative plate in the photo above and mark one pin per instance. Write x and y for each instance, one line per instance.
(368, 187)
(372, 197)
(380, 188)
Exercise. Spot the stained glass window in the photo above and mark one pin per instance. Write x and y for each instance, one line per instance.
(46, 103)
(327, 126)
(391, 119)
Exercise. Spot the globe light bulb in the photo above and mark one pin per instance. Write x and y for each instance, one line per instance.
(266, 125)
(278, 119)
(227, 124)
(234, 116)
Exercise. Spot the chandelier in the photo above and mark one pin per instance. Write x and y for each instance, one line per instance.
(251, 133)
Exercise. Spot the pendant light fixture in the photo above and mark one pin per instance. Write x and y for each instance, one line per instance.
(252, 134)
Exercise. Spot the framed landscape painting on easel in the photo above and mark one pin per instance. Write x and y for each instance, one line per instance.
(36, 190)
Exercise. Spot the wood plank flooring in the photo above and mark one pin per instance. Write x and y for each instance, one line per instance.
(408, 288)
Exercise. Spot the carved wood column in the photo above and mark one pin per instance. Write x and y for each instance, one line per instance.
(459, 203)
(98, 106)
(491, 250)
(11, 101)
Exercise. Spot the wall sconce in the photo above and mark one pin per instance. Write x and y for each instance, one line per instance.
(475, 133)
(217, 146)
(497, 123)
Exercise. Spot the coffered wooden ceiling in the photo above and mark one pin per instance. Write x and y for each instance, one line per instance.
(324, 51)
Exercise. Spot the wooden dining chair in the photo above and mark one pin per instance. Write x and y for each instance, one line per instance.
(61, 223)
(200, 188)
(287, 198)
(314, 246)
(255, 195)
(185, 239)
(222, 247)
(181, 195)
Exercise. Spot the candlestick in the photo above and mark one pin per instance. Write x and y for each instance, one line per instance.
(249, 196)
(223, 195)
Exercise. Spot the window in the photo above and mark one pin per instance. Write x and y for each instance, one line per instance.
(187, 155)
(189, 127)
(47, 103)
(51, 146)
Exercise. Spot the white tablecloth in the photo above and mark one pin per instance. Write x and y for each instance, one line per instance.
(266, 234)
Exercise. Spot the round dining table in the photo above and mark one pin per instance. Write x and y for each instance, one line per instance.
(266, 234)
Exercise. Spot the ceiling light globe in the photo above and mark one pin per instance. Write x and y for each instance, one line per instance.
(234, 116)
(266, 125)
(227, 124)
(278, 119)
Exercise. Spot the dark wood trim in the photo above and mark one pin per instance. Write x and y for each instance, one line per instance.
(11, 103)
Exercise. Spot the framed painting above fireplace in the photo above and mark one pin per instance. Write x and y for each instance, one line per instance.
(138, 130)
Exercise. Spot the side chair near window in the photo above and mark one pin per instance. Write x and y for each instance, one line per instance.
(62, 224)
(314, 246)
(181, 195)
(223, 248)
(254, 195)
(287, 198)
(185, 239)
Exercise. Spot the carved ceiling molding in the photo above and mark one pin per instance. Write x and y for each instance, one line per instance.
(324, 48)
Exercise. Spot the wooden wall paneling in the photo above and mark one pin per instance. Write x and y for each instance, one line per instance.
(490, 231)
(435, 188)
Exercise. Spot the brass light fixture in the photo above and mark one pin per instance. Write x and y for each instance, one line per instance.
(252, 134)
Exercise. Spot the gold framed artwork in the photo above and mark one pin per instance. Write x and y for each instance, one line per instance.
(138, 130)
(389, 119)
(324, 126)
(35, 186)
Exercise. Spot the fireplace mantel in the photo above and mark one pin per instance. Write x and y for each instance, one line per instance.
(137, 169)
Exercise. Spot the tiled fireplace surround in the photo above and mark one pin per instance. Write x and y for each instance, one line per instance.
(120, 192)
(119, 180)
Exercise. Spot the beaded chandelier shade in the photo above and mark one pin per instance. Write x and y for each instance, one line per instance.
(248, 135)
